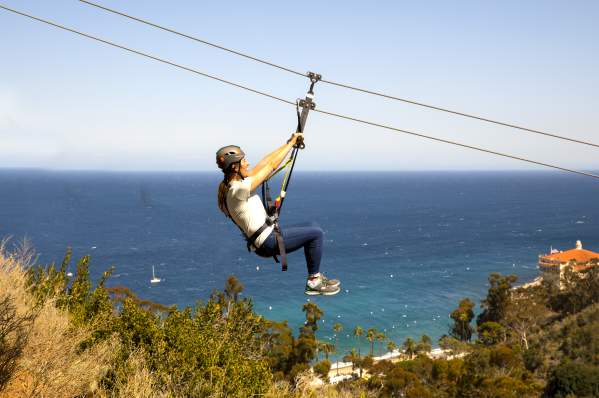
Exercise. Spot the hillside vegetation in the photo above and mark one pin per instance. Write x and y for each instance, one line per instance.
(64, 336)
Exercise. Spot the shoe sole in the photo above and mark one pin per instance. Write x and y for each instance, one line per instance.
(335, 285)
(317, 293)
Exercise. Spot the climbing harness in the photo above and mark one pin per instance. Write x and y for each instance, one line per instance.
(273, 209)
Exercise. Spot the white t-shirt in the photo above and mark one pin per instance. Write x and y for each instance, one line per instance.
(247, 210)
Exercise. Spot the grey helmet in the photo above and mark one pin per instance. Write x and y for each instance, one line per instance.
(228, 155)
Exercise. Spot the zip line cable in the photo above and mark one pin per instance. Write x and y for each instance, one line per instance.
(147, 55)
(463, 114)
(192, 38)
(454, 143)
(346, 86)
(291, 102)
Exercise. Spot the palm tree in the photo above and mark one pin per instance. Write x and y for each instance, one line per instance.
(409, 347)
(232, 288)
(352, 357)
(313, 315)
(358, 332)
(371, 336)
(319, 348)
(380, 337)
(337, 328)
(424, 345)
(327, 348)
(391, 346)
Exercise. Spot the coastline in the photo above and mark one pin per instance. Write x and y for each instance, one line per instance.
(346, 370)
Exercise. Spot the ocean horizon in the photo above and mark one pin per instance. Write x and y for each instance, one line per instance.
(407, 245)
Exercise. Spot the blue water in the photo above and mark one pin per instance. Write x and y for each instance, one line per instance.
(407, 246)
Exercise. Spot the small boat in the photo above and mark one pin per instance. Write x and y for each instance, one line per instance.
(154, 279)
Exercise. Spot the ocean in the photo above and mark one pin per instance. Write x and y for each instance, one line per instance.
(407, 246)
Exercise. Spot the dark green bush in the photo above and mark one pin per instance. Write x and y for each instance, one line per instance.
(322, 369)
(573, 379)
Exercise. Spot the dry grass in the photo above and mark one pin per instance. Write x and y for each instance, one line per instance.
(305, 388)
(134, 380)
(51, 364)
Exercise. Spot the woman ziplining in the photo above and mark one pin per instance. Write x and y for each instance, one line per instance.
(258, 219)
(238, 200)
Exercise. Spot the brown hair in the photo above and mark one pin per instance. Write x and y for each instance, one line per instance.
(223, 188)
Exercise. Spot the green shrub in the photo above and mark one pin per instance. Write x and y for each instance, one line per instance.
(212, 349)
(573, 379)
(322, 369)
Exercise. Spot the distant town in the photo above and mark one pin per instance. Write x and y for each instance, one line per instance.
(552, 268)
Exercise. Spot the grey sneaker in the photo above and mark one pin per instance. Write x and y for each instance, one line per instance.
(330, 282)
(322, 289)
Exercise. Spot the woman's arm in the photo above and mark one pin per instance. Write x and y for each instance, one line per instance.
(272, 157)
(270, 162)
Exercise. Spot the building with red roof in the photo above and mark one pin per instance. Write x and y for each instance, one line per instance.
(553, 265)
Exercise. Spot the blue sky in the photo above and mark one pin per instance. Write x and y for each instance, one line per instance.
(70, 103)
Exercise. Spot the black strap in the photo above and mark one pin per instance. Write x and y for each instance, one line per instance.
(281, 245)
(270, 220)
(299, 129)
(252, 239)
(267, 200)
(273, 214)
(299, 117)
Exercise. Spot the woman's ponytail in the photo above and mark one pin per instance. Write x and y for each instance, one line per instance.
(223, 188)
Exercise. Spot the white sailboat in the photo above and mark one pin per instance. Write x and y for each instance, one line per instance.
(154, 279)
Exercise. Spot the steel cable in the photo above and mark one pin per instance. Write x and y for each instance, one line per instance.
(291, 102)
(461, 114)
(346, 86)
(455, 143)
(147, 55)
(192, 37)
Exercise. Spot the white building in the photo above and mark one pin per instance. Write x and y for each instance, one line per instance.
(553, 265)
